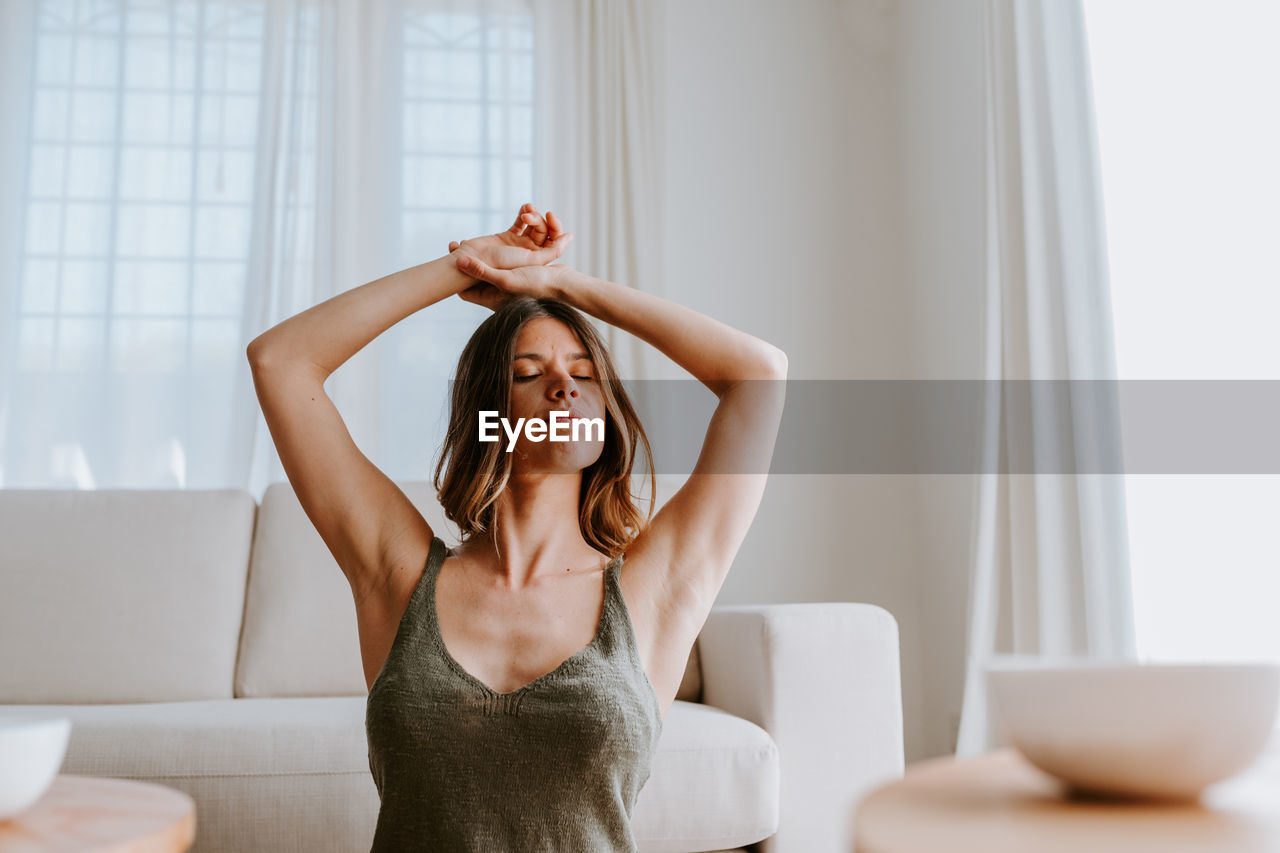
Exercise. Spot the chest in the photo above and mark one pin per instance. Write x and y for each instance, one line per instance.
(507, 640)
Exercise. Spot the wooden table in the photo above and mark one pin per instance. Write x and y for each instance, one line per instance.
(95, 813)
(1001, 803)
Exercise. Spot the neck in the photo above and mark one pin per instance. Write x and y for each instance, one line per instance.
(538, 534)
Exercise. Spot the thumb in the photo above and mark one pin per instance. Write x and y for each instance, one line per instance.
(554, 249)
(476, 268)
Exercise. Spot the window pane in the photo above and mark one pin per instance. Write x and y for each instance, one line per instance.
(226, 176)
(150, 174)
(48, 170)
(90, 171)
(443, 181)
(148, 346)
(93, 117)
(222, 232)
(160, 62)
(53, 60)
(150, 287)
(84, 287)
(219, 288)
(35, 344)
(154, 230)
(44, 228)
(88, 229)
(49, 119)
(39, 286)
(80, 343)
(153, 118)
(97, 61)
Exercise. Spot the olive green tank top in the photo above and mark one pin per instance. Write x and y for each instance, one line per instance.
(554, 766)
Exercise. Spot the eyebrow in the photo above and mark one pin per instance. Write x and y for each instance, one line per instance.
(575, 356)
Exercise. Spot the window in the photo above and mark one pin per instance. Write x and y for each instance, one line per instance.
(137, 214)
(1191, 184)
(177, 148)
(467, 155)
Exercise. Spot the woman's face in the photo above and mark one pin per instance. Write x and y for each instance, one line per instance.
(552, 371)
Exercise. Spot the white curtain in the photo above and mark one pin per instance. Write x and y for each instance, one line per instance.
(1050, 570)
(327, 201)
(598, 122)
(178, 176)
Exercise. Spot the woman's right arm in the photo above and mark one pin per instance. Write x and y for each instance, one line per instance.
(372, 529)
(367, 522)
(324, 336)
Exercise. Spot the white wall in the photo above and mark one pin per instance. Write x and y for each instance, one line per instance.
(941, 108)
(823, 167)
(783, 201)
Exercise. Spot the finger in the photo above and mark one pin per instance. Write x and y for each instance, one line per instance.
(477, 293)
(537, 228)
(518, 226)
(538, 219)
(453, 244)
(552, 250)
(478, 269)
(554, 226)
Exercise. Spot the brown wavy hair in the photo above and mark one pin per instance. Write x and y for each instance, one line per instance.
(471, 474)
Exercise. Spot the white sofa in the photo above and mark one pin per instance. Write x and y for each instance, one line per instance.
(198, 640)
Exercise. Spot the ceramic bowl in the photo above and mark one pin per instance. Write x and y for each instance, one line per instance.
(31, 753)
(1144, 730)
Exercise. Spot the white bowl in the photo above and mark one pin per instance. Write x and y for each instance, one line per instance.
(31, 753)
(1145, 730)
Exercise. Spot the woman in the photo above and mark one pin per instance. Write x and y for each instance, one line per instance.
(518, 683)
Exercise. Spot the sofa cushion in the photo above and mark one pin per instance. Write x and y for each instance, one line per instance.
(121, 595)
(300, 636)
(715, 783)
(264, 770)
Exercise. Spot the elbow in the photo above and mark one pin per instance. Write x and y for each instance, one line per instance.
(255, 352)
(778, 359)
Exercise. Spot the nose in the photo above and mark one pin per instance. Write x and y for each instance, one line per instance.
(563, 387)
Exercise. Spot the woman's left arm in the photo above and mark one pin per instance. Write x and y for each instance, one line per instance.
(697, 533)
(718, 355)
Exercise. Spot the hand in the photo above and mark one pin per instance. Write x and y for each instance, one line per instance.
(530, 240)
(497, 286)
(540, 240)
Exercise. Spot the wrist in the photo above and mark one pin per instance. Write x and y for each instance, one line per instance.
(469, 250)
(569, 285)
(476, 248)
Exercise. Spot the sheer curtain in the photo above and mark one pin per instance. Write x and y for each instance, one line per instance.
(1050, 550)
(598, 118)
(178, 176)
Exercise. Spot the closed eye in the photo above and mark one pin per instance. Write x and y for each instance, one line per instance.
(536, 375)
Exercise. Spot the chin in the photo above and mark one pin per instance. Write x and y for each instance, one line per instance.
(565, 458)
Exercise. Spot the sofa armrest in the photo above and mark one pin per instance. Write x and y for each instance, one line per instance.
(823, 680)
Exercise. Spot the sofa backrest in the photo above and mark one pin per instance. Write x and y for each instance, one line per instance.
(300, 636)
(158, 595)
(121, 595)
